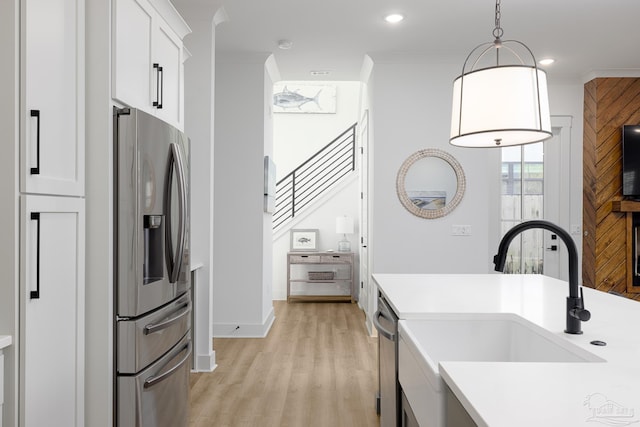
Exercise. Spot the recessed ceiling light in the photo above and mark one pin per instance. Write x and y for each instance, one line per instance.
(285, 44)
(320, 72)
(393, 18)
(546, 61)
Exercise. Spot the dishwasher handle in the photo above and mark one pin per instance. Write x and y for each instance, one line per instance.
(390, 335)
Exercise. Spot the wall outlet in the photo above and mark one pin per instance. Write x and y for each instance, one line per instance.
(461, 230)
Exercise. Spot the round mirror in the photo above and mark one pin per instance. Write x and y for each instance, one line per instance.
(430, 183)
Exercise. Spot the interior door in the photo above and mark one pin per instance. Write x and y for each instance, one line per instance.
(368, 293)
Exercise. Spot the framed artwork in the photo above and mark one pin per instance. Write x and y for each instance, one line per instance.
(304, 98)
(304, 240)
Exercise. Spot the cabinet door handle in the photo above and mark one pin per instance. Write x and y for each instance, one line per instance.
(36, 114)
(159, 83)
(35, 216)
(161, 71)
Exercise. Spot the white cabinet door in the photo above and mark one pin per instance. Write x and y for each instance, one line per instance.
(52, 314)
(133, 22)
(168, 54)
(147, 61)
(52, 144)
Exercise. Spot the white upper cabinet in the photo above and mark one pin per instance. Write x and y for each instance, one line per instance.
(52, 136)
(148, 58)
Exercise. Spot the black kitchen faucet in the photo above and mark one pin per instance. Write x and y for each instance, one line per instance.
(576, 313)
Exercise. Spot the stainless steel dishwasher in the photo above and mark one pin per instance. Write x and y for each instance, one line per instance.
(386, 322)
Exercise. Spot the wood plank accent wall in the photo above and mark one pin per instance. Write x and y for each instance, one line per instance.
(609, 103)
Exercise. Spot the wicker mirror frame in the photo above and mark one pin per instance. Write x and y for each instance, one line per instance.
(402, 192)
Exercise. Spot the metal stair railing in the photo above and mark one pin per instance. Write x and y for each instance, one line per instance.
(316, 175)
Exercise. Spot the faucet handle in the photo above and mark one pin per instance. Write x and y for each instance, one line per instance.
(580, 312)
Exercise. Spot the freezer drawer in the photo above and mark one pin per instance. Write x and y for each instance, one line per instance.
(159, 395)
(143, 340)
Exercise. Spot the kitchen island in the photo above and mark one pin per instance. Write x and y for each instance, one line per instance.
(531, 393)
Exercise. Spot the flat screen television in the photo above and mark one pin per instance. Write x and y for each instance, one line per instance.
(631, 161)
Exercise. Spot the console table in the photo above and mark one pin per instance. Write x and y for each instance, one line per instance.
(320, 276)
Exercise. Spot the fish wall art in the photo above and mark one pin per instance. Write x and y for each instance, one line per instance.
(304, 98)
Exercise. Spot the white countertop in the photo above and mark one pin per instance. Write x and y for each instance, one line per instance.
(533, 394)
(5, 341)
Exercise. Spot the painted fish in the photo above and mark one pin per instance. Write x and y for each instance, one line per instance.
(304, 240)
(292, 99)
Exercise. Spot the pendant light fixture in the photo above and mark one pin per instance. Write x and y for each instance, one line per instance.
(500, 99)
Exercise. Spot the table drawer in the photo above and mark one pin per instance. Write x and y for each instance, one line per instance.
(335, 259)
(303, 259)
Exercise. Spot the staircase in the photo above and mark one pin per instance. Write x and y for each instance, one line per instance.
(313, 178)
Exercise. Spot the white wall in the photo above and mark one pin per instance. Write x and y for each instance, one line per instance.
(9, 216)
(199, 118)
(239, 291)
(99, 216)
(412, 107)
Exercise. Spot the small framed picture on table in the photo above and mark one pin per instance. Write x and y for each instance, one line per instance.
(304, 240)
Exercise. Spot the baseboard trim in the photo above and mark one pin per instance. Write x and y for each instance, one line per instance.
(204, 362)
(247, 330)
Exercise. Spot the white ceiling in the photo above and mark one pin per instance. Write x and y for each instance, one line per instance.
(584, 36)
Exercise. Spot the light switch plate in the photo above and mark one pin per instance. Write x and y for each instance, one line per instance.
(461, 230)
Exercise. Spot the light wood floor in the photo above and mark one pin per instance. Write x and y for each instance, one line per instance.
(317, 367)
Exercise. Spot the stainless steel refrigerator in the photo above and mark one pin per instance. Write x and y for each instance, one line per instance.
(152, 300)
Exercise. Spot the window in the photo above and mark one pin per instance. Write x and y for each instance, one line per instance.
(522, 199)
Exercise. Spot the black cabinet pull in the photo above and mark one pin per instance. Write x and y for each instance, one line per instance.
(36, 114)
(35, 216)
(161, 71)
(159, 86)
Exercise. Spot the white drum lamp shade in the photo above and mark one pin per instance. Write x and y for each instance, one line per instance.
(500, 98)
(499, 107)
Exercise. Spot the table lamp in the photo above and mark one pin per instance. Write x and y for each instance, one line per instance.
(344, 226)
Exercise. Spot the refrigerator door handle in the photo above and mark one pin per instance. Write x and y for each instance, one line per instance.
(155, 327)
(175, 262)
(153, 380)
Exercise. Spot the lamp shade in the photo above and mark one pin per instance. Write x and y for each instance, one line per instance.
(500, 106)
(344, 225)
